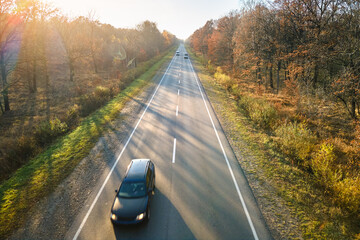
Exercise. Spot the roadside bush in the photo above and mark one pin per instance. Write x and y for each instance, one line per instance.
(348, 194)
(260, 111)
(236, 91)
(223, 79)
(72, 116)
(90, 102)
(210, 67)
(296, 141)
(47, 131)
(19, 151)
(102, 94)
(324, 166)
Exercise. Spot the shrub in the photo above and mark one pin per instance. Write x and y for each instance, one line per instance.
(324, 167)
(102, 94)
(210, 67)
(87, 105)
(47, 131)
(223, 79)
(91, 102)
(236, 91)
(260, 111)
(72, 116)
(348, 194)
(19, 151)
(296, 141)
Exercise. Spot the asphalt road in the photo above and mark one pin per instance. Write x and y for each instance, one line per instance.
(201, 192)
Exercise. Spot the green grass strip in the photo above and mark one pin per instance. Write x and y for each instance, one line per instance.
(43, 173)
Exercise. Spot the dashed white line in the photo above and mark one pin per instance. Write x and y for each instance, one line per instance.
(118, 158)
(177, 110)
(178, 92)
(174, 151)
(227, 160)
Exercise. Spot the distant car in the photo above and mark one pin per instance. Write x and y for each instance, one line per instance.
(186, 56)
(132, 201)
(177, 53)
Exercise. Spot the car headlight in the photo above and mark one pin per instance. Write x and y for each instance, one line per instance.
(113, 217)
(140, 216)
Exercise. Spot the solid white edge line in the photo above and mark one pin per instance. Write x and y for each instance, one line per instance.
(174, 151)
(118, 158)
(227, 161)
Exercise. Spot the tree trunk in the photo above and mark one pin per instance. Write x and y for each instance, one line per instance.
(353, 109)
(34, 76)
(271, 76)
(94, 61)
(258, 73)
(71, 65)
(316, 75)
(47, 90)
(6, 99)
(28, 78)
(278, 77)
(1, 106)
(4, 83)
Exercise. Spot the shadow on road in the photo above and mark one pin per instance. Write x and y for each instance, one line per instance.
(165, 223)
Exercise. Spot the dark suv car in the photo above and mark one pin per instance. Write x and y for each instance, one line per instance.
(132, 201)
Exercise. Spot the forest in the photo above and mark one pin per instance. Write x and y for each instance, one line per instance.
(56, 70)
(293, 67)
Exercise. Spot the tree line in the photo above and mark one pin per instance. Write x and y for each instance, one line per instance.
(313, 44)
(31, 29)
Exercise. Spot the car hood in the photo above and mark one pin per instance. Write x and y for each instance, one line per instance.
(129, 207)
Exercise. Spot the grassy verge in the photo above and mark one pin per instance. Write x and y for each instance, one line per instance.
(44, 172)
(312, 211)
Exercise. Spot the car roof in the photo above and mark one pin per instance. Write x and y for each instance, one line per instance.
(137, 169)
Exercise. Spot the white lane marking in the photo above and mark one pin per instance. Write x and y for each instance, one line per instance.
(177, 110)
(178, 92)
(118, 158)
(174, 151)
(227, 161)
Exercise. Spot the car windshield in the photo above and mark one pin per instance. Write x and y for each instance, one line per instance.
(132, 189)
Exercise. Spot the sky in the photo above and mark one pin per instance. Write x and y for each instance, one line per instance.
(180, 18)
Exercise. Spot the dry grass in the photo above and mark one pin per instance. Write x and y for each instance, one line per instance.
(311, 158)
(65, 100)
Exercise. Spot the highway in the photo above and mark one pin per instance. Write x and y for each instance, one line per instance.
(201, 192)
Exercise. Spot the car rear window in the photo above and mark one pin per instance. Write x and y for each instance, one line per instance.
(132, 189)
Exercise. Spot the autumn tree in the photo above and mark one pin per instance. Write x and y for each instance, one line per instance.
(10, 24)
(75, 40)
(33, 57)
(220, 44)
(152, 40)
(199, 40)
(346, 84)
